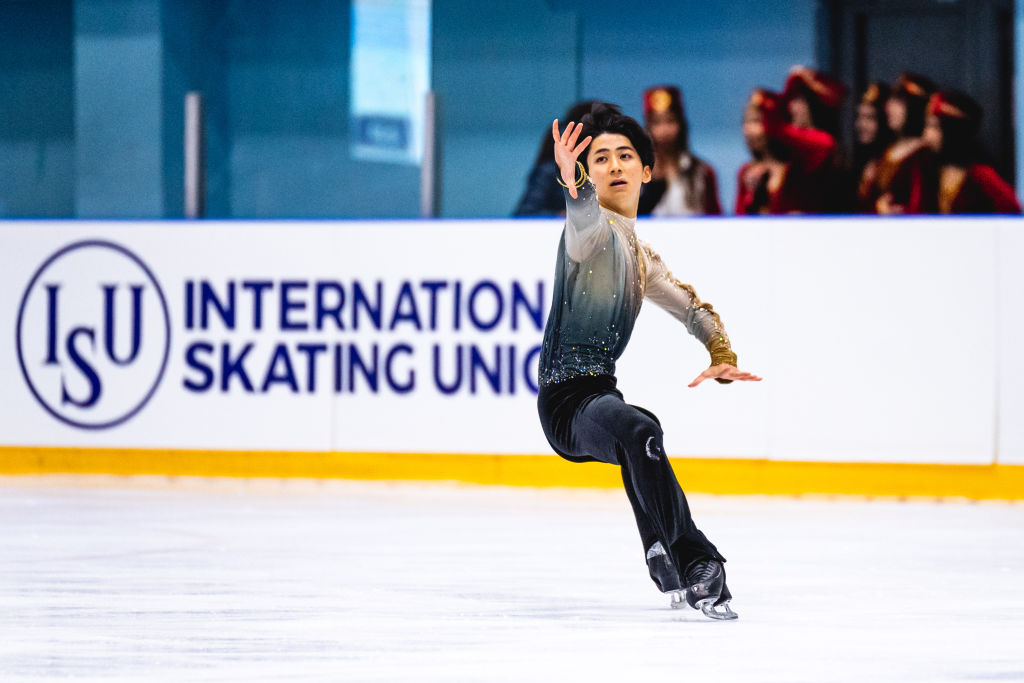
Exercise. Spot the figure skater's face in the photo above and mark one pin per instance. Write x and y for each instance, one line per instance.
(617, 172)
(932, 132)
(800, 113)
(866, 123)
(664, 128)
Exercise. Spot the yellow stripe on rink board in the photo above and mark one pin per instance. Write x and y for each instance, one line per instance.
(703, 475)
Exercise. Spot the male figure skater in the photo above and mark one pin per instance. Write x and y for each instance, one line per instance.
(603, 273)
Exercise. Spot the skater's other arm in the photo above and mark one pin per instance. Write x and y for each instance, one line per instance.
(585, 232)
(700, 319)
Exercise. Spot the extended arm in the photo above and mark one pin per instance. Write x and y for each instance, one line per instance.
(585, 232)
(699, 318)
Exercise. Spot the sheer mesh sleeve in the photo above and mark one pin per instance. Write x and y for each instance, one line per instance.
(682, 302)
(585, 232)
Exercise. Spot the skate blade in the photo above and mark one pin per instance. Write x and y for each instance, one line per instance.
(721, 612)
(678, 599)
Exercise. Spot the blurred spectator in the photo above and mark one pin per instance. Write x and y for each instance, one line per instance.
(683, 184)
(907, 178)
(814, 100)
(543, 196)
(872, 137)
(785, 175)
(966, 185)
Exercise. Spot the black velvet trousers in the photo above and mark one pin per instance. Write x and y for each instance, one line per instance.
(585, 419)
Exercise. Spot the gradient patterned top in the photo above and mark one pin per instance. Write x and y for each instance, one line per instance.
(602, 275)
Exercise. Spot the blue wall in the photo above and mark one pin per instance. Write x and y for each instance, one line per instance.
(37, 120)
(287, 100)
(93, 111)
(118, 47)
(92, 90)
(716, 52)
(502, 72)
(288, 94)
(194, 61)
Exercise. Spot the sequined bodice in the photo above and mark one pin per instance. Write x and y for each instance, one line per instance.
(602, 275)
(596, 299)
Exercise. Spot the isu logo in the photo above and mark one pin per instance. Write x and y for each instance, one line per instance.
(93, 334)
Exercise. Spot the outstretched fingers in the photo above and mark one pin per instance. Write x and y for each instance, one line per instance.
(569, 136)
(727, 372)
(563, 138)
(582, 146)
(567, 150)
(574, 134)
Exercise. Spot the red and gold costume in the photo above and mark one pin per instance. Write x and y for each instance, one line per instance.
(976, 189)
(797, 178)
(966, 186)
(867, 156)
(823, 94)
(906, 179)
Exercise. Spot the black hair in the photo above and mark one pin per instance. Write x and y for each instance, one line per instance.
(604, 117)
(960, 144)
(823, 117)
(863, 153)
(916, 103)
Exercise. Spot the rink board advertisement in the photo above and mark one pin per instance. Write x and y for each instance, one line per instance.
(880, 341)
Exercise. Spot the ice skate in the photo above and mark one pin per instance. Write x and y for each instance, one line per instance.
(663, 570)
(705, 589)
(665, 575)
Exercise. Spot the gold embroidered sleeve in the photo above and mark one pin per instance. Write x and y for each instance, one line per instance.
(681, 301)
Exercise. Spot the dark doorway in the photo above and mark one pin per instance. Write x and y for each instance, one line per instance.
(960, 44)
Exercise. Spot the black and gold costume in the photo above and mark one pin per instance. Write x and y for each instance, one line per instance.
(602, 275)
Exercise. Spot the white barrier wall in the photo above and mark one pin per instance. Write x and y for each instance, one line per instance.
(1010, 342)
(879, 340)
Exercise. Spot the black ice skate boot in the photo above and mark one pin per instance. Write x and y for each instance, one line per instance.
(665, 574)
(704, 581)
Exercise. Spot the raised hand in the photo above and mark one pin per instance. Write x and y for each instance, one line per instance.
(724, 371)
(567, 151)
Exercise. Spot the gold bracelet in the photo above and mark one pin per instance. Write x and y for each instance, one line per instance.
(579, 183)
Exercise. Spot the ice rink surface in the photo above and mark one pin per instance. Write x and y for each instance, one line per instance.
(150, 579)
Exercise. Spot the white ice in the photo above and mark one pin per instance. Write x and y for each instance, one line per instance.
(153, 580)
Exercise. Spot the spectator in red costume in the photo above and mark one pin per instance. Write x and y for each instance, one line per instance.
(966, 185)
(682, 184)
(814, 100)
(907, 178)
(872, 137)
(785, 175)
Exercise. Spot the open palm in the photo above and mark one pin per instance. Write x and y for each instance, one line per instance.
(567, 151)
(724, 371)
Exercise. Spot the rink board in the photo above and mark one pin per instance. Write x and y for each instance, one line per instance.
(699, 475)
(285, 347)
